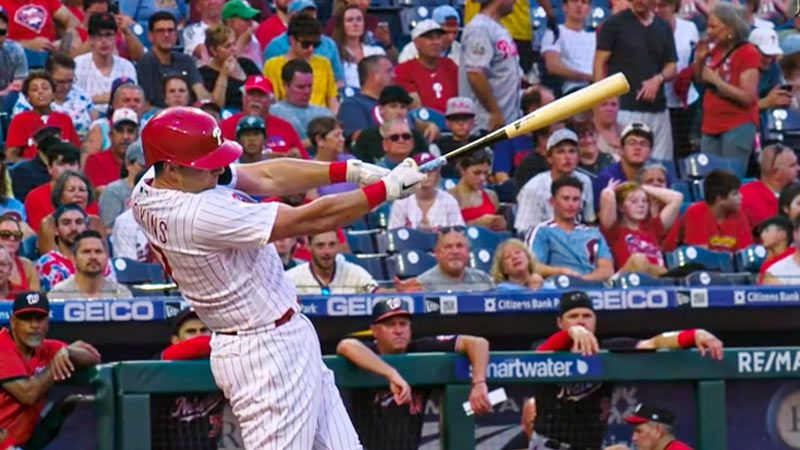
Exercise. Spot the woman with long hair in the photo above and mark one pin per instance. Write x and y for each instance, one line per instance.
(23, 275)
(224, 75)
(514, 267)
(349, 35)
(478, 204)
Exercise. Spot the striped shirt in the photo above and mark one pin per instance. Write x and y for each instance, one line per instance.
(533, 201)
(348, 278)
(215, 245)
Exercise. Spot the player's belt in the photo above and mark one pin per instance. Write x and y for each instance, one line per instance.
(286, 317)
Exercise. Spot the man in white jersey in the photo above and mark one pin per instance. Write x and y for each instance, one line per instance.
(215, 242)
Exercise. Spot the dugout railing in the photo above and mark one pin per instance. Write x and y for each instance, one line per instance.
(123, 390)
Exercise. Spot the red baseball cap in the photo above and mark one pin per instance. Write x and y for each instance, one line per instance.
(260, 83)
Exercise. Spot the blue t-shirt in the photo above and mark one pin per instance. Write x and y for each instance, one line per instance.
(356, 113)
(578, 250)
(299, 117)
(280, 46)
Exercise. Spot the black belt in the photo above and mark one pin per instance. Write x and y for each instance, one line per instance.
(286, 317)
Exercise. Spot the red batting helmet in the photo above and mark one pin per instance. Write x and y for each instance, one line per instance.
(188, 137)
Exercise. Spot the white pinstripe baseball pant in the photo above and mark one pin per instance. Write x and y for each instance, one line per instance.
(280, 390)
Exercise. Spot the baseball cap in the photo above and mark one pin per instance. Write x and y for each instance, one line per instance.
(574, 299)
(183, 316)
(766, 39)
(782, 222)
(460, 106)
(422, 158)
(301, 5)
(564, 134)
(31, 301)
(135, 152)
(391, 94)
(390, 307)
(124, 115)
(442, 13)
(102, 21)
(250, 123)
(424, 27)
(259, 83)
(639, 129)
(651, 413)
(238, 8)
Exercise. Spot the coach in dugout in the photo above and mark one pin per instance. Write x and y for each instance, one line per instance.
(576, 414)
(391, 419)
(31, 364)
(653, 430)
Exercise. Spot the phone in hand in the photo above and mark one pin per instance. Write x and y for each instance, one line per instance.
(787, 87)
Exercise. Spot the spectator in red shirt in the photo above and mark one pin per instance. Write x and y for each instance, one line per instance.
(256, 100)
(105, 167)
(33, 26)
(633, 235)
(779, 168)
(716, 223)
(430, 78)
(39, 89)
(191, 338)
(30, 364)
(275, 25)
(61, 157)
(729, 71)
(23, 275)
(71, 188)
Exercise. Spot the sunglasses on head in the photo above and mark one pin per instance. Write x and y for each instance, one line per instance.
(456, 228)
(307, 44)
(400, 136)
(15, 235)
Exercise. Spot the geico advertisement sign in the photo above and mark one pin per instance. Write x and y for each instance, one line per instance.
(617, 299)
(113, 311)
(360, 305)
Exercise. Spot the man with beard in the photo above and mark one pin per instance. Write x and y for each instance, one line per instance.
(88, 283)
(31, 364)
(256, 100)
(57, 264)
(325, 275)
(577, 413)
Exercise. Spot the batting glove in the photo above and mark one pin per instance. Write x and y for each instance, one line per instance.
(364, 174)
(403, 180)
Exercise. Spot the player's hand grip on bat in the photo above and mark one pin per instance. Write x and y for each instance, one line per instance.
(403, 180)
(364, 174)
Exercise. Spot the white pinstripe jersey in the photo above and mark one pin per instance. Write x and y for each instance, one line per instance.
(215, 245)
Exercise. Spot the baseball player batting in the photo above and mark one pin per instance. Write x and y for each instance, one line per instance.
(215, 242)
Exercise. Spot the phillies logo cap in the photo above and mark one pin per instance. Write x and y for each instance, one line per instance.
(31, 301)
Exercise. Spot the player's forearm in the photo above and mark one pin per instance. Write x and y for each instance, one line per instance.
(477, 351)
(81, 357)
(29, 391)
(281, 176)
(323, 214)
(363, 357)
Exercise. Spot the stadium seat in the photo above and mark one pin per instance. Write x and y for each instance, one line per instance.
(379, 217)
(348, 91)
(129, 271)
(567, 282)
(374, 264)
(703, 278)
(636, 280)
(698, 165)
(36, 59)
(684, 188)
(30, 248)
(721, 261)
(361, 241)
(597, 14)
(430, 115)
(783, 125)
(400, 239)
(672, 171)
(697, 189)
(481, 259)
(359, 224)
(448, 183)
(751, 258)
(409, 263)
(484, 238)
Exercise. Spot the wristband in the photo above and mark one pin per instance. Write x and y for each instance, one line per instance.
(337, 172)
(686, 338)
(376, 194)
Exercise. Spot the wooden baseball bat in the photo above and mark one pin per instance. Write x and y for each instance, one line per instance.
(560, 109)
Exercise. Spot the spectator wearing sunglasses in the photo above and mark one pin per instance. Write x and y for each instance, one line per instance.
(23, 273)
(451, 272)
(304, 37)
(397, 142)
(779, 168)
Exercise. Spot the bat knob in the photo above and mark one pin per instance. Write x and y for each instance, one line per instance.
(434, 164)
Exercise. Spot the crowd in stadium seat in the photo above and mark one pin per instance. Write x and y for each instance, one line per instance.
(694, 141)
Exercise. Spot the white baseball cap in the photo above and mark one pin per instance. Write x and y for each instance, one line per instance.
(458, 106)
(124, 115)
(564, 134)
(766, 39)
(425, 26)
